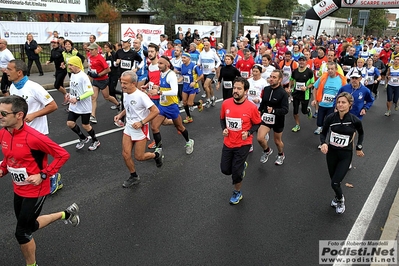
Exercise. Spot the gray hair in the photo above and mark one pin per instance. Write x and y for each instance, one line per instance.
(132, 74)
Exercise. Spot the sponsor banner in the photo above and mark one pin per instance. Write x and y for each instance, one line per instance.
(255, 30)
(66, 6)
(310, 27)
(341, 252)
(324, 8)
(150, 32)
(15, 32)
(203, 30)
(370, 3)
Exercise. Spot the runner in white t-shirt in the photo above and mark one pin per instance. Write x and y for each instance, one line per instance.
(139, 111)
(79, 97)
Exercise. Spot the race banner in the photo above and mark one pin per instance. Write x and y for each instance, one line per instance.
(255, 30)
(48, 6)
(150, 32)
(310, 27)
(15, 32)
(367, 4)
(325, 8)
(203, 30)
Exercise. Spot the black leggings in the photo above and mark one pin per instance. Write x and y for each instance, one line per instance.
(338, 162)
(232, 162)
(27, 210)
(304, 105)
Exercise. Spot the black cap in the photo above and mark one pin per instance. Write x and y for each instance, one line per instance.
(302, 57)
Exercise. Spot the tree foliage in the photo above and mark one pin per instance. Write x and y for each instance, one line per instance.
(107, 12)
(281, 8)
(121, 5)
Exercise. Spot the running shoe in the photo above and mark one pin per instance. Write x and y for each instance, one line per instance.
(201, 106)
(180, 105)
(188, 120)
(203, 95)
(340, 209)
(55, 183)
(334, 202)
(314, 115)
(243, 171)
(82, 143)
(73, 211)
(93, 119)
(396, 107)
(251, 149)
(152, 145)
(279, 160)
(191, 108)
(119, 123)
(213, 101)
(207, 103)
(388, 113)
(265, 156)
(116, 107)
(296, 128)
(94, 145)
(310, 113)
(236, 197)
(131, 181)
(159, 160)
(318, 130)
(190, 146)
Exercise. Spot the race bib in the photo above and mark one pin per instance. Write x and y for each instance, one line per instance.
(269, 119)
(18, 175)
(109, 63)
(299, 86)
(395, 80)
(186, 79)
(346, 68)
(207, 66)
(252, 92)
(286, 74)
(162, 99)
(126, 64)
(339, 140)
(228, 84)
(234, 124)
(317, 74)
(245, 74)
(328, 98)
(370, 79)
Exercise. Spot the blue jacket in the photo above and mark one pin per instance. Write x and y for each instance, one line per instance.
(362, 98)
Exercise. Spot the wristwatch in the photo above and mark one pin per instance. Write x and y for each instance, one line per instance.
(78, 98)
(359, 147)
(43, 175)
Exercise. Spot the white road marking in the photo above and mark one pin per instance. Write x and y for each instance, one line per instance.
(362, 222)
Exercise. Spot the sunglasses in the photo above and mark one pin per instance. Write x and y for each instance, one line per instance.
(5, 113)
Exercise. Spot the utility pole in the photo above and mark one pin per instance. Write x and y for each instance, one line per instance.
(349, 25)
(237, 17)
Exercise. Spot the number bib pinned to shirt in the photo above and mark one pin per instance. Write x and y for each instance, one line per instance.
(339, 140)
(245, 74)
(234, 124)
(228, 84)
(299, 86)
(186, 79)
(18, 175)
(269, 119)
(126, 64)
(328, 98)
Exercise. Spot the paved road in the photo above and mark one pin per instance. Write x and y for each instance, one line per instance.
(179, 214)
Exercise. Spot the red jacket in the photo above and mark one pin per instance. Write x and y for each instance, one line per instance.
(25, 153)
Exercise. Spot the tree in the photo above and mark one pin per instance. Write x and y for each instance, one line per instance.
(109, 14)
(283, 8)
(121, 5)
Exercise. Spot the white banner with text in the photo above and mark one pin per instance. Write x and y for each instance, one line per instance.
(15, 32)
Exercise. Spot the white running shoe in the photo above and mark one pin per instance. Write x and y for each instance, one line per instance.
(94, 145)
(190, 146)
(340, 208)
(279, 160)
(82, 142)
(265, 156)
